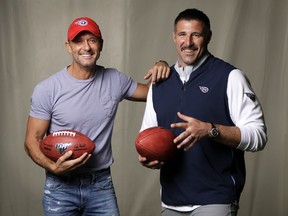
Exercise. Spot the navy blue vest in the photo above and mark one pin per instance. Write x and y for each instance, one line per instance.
(209, 172)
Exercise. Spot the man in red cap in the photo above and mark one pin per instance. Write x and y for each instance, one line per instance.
(83, 96)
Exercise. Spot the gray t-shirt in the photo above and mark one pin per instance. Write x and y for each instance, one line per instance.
(88, 106)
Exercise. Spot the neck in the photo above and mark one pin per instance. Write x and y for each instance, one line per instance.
(81, 73)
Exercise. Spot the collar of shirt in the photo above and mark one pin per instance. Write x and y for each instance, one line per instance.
(185, 72)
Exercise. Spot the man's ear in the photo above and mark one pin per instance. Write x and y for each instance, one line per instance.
(174, 37)
(101, 44)
(68, 47)
(209, 36)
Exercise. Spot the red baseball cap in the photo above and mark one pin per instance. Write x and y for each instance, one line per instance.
(83, 24)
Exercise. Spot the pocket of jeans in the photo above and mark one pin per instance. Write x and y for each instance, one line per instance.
(52, 183)
(105, 182)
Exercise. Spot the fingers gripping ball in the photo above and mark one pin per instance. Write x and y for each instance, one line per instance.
(58, 143)
(156, 143)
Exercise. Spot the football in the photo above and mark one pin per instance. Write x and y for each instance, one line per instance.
(58, 143)
(156, 143)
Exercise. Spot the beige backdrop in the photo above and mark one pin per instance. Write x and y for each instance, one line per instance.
(251, 34)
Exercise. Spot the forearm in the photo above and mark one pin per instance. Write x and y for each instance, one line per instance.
(253, 137)
(35, 132)
(229, 135)
(33, 151)
(195, 130)
(141, 92)
(248, 138)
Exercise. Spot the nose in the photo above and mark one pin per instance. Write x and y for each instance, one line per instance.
(189, 40)
(86, 45)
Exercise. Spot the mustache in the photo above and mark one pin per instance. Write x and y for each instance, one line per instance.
(191, 47)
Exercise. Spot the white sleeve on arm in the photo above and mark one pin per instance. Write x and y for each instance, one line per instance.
(246, 112)
(149, 119)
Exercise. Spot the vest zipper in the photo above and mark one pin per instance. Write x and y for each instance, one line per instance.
(184, 86)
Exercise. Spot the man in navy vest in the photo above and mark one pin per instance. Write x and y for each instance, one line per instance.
(216, 116)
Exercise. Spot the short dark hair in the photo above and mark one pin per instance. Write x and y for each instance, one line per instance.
(193, 14)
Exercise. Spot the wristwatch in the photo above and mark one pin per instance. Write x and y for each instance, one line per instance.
(214, 132)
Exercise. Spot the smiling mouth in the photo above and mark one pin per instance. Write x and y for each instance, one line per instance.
(188, 49)
(86, 55)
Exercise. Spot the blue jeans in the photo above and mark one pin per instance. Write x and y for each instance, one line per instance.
(75, 195)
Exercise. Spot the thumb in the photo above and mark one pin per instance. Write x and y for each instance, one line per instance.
(67, 155)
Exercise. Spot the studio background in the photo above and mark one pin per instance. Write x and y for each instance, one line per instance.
(250, 34)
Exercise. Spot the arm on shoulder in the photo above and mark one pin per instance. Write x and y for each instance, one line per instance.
(160, 71)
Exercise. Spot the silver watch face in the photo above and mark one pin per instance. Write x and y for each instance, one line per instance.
(214, 132)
